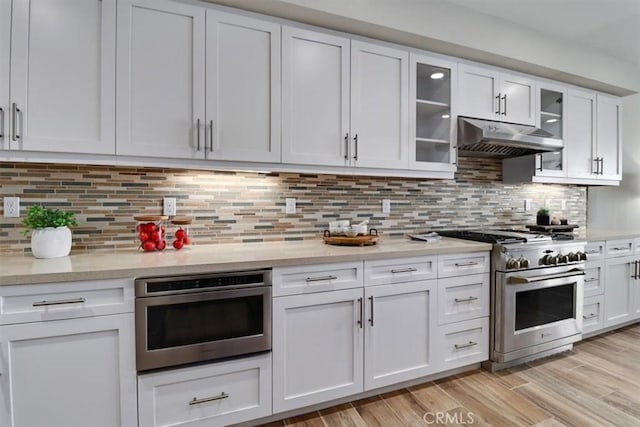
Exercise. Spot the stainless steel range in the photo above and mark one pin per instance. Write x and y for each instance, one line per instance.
(536, 294)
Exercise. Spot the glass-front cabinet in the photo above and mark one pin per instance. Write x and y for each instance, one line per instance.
(552, 105)
(432, 116)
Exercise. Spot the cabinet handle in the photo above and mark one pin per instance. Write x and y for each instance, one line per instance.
(593, 252)
(498, 99)
(539, 157)
(361, 319)
(346, 146)
(2, 125)
(355, 155)
(14, 121)
(371, 318)
(467, 345)
(465, 299)
(591, 279)
(404, 270)
(636, 273)
(59, 302)
(601, 165)
(620, 248)
(637, 270)
(211, 135)
(319, 279)
(504, 98)
(595, 172)
(589, 316)
(196, 401)
(465, 264)
(198, 135)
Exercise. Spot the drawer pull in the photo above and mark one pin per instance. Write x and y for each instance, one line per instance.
(319, 279)
(624, 248)
(467, 345)
(60, 302)
(404, 270)
(589, 316)
(221, 396)
(593, 252)
(591, 279)
(465, 264)
(465, 299)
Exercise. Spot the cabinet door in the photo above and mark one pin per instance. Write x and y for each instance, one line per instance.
(161, 67)
(243, 88)
(581, 134)
(478, 89)
(379, 106)
(609, 136)
(400, 322)
(432, 110)
(63, 75)
(317, 348)
(68, 373)
(315, 98)
(517, 96)
(552, 116)
(618, 296)
(5, 49)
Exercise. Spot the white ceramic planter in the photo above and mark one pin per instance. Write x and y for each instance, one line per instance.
(51, 242)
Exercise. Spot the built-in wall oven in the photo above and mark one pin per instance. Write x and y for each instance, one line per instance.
(187, 319)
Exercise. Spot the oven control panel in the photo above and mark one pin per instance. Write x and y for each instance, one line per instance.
(527, 256)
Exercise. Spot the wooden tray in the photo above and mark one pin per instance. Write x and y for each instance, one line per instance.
(366, 240)
(556, 227)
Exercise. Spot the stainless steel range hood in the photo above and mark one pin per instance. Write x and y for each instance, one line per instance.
(487, 138)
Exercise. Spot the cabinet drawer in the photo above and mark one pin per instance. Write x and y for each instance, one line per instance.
(617, 248)
(54, 301)
(463, 298)
(217, 394)
(401, 270)
(595, 250)
(316, 278)
(463, 343)
(463, 264)
(593, 278)
(592, 314)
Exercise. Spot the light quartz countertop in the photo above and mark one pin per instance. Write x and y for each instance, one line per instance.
(604, 234)
(17, 269)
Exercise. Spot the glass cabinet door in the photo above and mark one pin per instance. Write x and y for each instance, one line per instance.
(552, 107)
(431, 116)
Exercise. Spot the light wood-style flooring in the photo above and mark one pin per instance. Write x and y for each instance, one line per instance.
(598, 383)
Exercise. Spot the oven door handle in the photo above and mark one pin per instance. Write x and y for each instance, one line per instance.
(518, 280)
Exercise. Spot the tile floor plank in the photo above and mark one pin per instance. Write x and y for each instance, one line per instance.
(376, 413)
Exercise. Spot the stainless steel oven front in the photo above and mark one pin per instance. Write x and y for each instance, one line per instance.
(187, 319)
(537, 310)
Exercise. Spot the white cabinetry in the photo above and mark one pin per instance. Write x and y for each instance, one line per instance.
(432, 113)
(217, 394)
(76, 370)
(62, 76)
(345, 103)
(317, 348)
(619, 287)
(594, 143)
(171, 103)
(493, 95)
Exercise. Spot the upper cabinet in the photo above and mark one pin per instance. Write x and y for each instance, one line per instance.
(492, 95)
(609, 137)
(431, 113)
(315, 98)
(161, 79)
(174, 103)
(345, 103)
(62, 76)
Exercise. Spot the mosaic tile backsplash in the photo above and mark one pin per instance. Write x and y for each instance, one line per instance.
(250, 207)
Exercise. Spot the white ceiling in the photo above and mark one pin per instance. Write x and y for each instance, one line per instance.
(611, 26)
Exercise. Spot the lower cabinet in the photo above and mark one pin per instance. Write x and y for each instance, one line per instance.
(73, 372)
(619, 290)
(592, 314)
(462, 343)
(217, 394)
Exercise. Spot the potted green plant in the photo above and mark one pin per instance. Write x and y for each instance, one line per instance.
(50, 233)
(542, 216)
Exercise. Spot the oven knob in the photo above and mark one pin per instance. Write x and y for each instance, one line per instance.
(524, 263)
(563, 259)
(513, 264)
(581, 256)
(573, 257)
(548, 260)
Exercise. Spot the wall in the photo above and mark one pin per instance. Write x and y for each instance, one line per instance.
(249, 207)
(618, 207)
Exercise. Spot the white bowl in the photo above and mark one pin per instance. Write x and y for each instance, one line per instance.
(338, 227)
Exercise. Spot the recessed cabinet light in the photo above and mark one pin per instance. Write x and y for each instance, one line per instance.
(551, 120)
(445, 116)
(437, 75)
